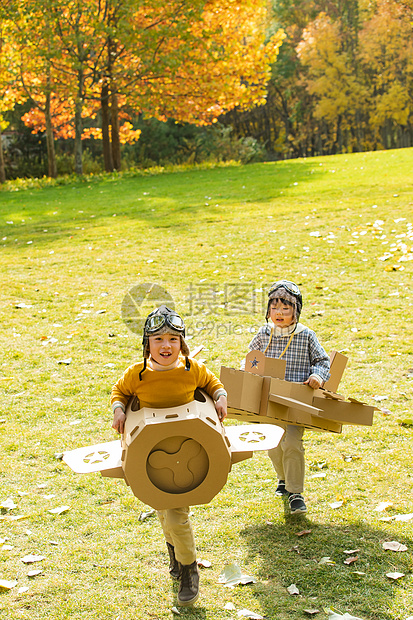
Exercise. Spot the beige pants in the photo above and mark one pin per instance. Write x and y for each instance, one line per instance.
(288, 458)
(177, 529)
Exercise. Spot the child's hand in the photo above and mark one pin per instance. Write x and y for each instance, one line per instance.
(221, 407)
(313, 381)
(119, 420)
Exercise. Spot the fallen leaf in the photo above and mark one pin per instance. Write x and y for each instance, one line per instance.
(145, 515)
(23, 589)
(311, 612)
(351, 551)
(320, 474)
(319, 465)
(394, 575)
(296, 548)
(60, 510)
(406, 517)
(176, 611)
(232, 576)
(326, 560)
(66, 361)
(246, 613)
(336, 505)
(7, 585)
(34, 573)
(380, 398)
(8, 504)
(229, 606)
(348, 458)
(351, 559)
(332, 615)
(7, 547)
(204, 563)
(393, 545)
(383, 506)
(30, 559)
(292, 589)
(303, 532)
(358, 572)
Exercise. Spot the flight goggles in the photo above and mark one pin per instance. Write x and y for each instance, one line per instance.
(287, 285)
(155, 322)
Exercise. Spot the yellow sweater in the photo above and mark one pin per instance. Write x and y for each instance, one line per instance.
(166, 388)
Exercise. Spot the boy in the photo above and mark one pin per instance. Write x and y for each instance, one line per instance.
(166, 379)
(306, 362)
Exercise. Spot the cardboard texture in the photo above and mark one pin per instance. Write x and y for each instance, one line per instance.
(285, 402)
(174, 457)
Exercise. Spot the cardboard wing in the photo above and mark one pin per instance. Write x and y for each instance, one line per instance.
(177, 456)
(101, 457)
(260, 394)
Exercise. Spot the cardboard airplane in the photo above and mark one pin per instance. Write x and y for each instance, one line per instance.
(174, 457)
(261, 395)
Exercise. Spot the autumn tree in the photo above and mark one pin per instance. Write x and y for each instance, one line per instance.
(386, 57)
(10, 93)
(186, 60)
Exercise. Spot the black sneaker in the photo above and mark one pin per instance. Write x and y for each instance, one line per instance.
(174, 565)
(297, 504)
(281, 490)
(189, 585)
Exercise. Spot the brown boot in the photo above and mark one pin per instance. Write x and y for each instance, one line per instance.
(189, 584)
(174, 565)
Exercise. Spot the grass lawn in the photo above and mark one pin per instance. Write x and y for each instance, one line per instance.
(342, 228)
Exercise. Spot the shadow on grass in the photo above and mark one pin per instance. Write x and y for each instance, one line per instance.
(166, 200)
(360, 588)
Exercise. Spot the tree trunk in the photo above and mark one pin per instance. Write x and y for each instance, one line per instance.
(51, 156)
(104, 103)
(115, 131)
(2, 169)
(78, 125)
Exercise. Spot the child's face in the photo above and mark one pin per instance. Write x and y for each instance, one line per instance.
(164, 348)
(281, 313)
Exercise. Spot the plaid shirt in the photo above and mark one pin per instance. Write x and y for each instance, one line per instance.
(305, 356)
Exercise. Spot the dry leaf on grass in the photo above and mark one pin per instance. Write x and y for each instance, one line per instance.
(34, 573)
(394, 575)
(393, 545)
(303, 532)
(59, 510)
(13, 517)
(311, 612)
(229, 606)
(8, 504)
(336, 505)
(232, 576)
(406, 517)
(292, 589)
(351, 551)
(326, 560)
(351, 559)
(204, 563)
(246, 613)
(383, 506)
(30, 559)
(7, 585)
(332, 615)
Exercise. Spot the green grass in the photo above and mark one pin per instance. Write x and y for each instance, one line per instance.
(210, 237)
